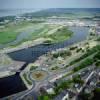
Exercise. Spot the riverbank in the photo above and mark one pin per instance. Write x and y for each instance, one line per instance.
(22, 46)
(6, 74)
(61, 34)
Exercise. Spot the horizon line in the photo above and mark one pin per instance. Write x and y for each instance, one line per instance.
(56, 8)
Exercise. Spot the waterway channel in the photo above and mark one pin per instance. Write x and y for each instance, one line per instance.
(14, 84)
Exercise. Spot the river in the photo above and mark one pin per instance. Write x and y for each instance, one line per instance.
(13, 84)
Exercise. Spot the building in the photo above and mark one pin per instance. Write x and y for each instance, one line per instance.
(48, 89)
(65, 95)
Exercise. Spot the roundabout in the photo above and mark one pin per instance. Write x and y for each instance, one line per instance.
(38, 75)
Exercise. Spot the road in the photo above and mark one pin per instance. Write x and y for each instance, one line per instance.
(35, 89)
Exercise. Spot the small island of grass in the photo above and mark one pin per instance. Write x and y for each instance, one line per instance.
(60, 35)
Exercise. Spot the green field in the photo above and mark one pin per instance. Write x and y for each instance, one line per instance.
(10, 32)
(61, 34)
(6, 37)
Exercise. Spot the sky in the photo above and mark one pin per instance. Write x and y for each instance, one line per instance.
(13, 4)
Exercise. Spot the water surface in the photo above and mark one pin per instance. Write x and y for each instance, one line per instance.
(14, 84)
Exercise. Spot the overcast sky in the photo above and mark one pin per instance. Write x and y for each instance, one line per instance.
(49, 4)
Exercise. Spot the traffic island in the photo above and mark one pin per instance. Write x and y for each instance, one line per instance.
(38, 75)
(27, 81)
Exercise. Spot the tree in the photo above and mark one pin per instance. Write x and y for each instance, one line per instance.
(43, 97)
(78, 79)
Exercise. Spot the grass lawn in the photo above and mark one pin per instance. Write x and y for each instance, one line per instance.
(26, 79)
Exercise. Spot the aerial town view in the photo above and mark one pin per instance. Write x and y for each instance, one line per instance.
(49, 49)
